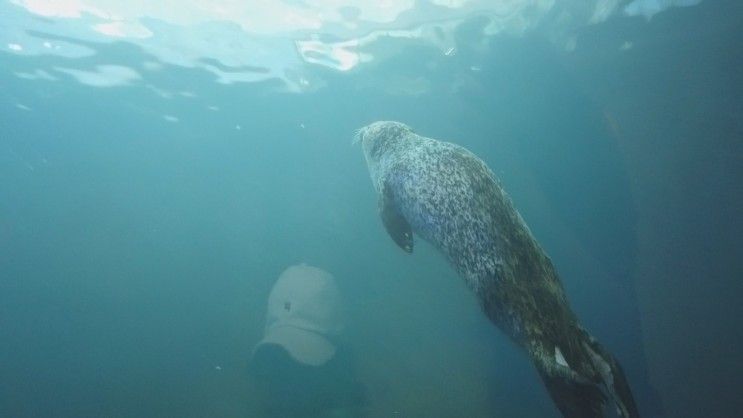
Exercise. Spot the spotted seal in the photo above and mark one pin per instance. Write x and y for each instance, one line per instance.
(449, 197)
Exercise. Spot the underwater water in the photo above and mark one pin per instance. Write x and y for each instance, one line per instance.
(156, 176)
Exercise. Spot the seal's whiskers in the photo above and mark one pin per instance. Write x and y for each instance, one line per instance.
(356, 136)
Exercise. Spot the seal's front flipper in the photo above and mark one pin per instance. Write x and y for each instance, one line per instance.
(397, 226)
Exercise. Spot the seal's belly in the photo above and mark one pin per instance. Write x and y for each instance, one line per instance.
(443, 206)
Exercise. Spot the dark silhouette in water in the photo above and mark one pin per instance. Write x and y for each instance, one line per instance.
(449, 197)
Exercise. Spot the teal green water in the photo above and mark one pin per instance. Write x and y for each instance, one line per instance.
(140, 233)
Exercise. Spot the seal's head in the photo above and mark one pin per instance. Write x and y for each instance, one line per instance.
(379, 137)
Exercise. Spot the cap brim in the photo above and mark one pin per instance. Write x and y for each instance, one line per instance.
(304, 346)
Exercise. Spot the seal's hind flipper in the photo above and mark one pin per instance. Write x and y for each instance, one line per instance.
(574, 399)
(613, 378)
(585, 393)
(396, 224)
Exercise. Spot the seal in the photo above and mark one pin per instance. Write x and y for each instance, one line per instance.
(449, 197)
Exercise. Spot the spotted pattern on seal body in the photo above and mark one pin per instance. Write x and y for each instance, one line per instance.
(454, 201)
(450, 198)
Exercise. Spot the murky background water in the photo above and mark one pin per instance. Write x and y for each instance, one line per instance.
(158, 170)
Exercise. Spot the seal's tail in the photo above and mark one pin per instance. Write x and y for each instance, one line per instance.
(583, 394)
